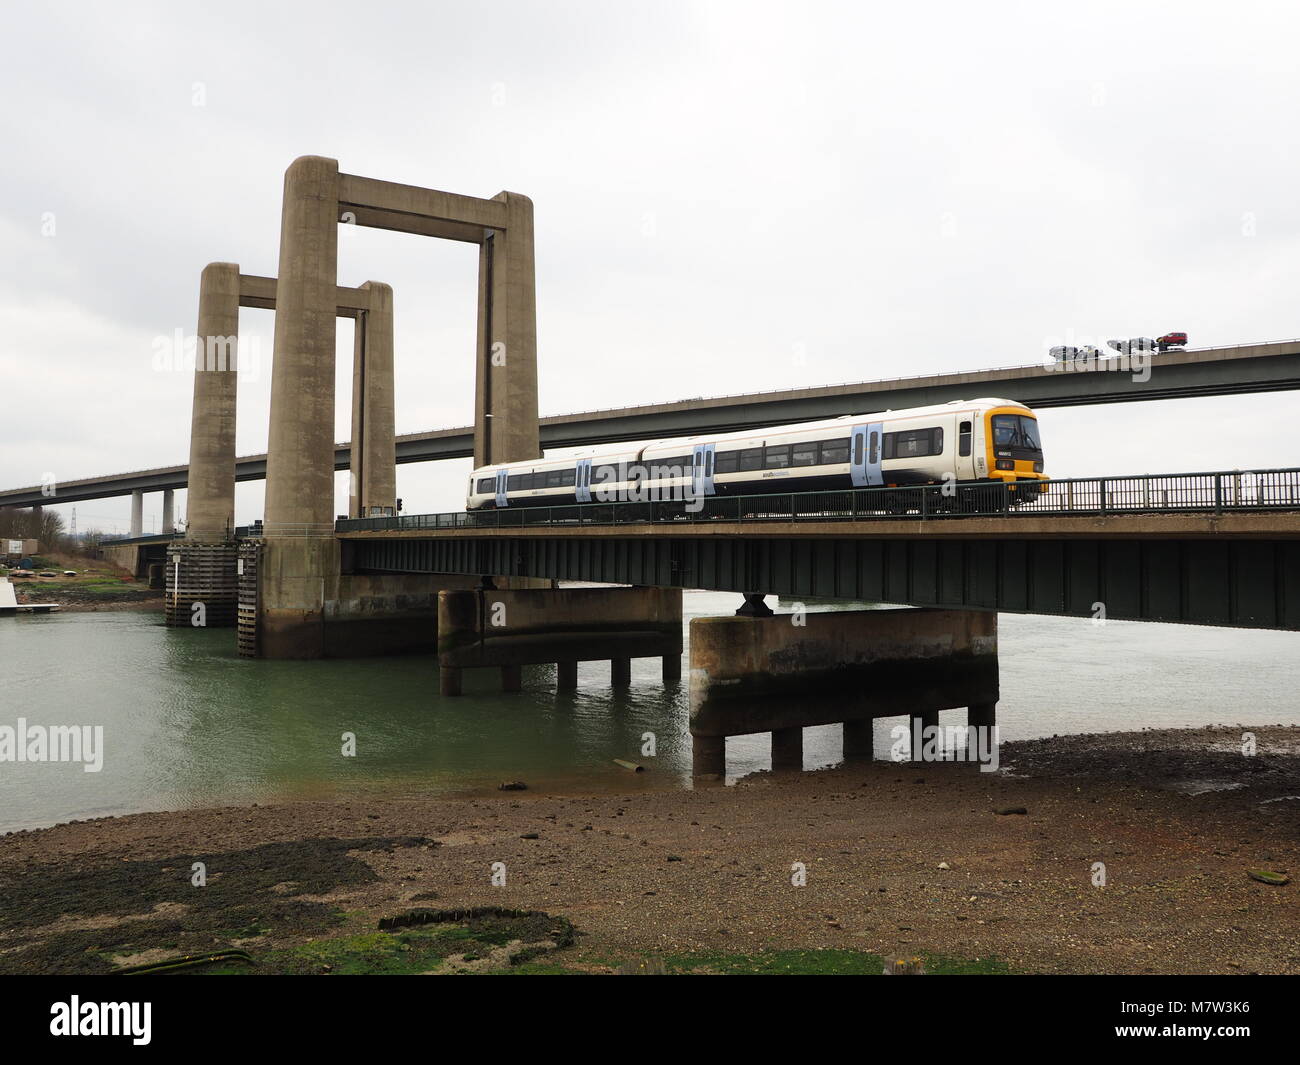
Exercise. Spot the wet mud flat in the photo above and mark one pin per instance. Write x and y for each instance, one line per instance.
(1132, 855)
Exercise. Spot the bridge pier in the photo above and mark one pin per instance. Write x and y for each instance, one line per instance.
(373, 481)
(770, 674)
(508, 629)
(137, 512)
(787, 749)
(300, 566)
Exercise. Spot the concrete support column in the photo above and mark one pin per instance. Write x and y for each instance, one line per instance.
(512, 678)
(300, 448)
(299, 571)
(374, 456)
(859, 739)
(672, 669)
(566, 676)
(709, 757)
(169, 511)
(137, 512)
(210, 503)
(620, 672)
(917, 724)
(449, 680)
(505, 421)
(787, 749)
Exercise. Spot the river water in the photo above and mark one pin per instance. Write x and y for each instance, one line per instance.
(186, 722)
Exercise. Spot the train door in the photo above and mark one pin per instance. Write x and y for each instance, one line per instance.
(865, 454)
(702, 470)
(582, 481)
(502, 499)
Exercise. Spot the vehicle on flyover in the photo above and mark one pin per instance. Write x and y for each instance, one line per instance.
(965, 442)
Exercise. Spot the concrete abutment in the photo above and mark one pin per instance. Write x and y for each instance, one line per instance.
(751, 674)
(507, 629)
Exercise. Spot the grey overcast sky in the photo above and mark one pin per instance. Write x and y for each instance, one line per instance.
(729, 197)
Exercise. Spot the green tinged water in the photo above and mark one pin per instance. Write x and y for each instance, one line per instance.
(186, 722)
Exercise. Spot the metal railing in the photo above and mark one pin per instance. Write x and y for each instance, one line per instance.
(1235, 490)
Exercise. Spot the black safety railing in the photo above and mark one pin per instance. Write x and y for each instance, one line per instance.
(1236, 490)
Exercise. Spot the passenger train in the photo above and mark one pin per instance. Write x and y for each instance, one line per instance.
(979, 441)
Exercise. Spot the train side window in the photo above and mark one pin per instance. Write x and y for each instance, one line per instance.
(568, 478)
(835, 452)
(805, 454)
(486, 485)
(515, 482)
(913, 443)
(751, 459)
(963, 439)
(606, 474)
(776, 456)
(873, 453)
(857, 448)
(727, 462)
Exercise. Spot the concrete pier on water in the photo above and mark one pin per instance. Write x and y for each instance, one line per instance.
(783, 673)
(489, 628)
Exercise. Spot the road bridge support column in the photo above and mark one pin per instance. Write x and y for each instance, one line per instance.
(768, 674)
(168, 511)
(137, 512)
(373, 484)
(299, 568)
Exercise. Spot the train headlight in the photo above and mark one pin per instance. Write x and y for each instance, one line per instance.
(1038, 467)
(1006, 464)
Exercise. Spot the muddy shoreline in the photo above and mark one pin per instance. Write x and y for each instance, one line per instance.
(899, 859)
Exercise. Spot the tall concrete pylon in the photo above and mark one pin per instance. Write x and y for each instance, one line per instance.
(373, 484)
(299, 569)
(202, 569)
(210, 498)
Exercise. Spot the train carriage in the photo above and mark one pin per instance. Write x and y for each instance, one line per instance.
(983, 441)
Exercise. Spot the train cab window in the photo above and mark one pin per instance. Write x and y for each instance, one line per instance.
(728, 462)
(486, 485)
(873, 452)
(835, 452)
(751, 459)
(804, 454)
(963, 439)
(776, 456)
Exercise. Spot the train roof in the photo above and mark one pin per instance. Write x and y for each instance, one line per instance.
(631, 451)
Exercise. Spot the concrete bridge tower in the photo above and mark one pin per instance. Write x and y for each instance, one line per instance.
(300, 568)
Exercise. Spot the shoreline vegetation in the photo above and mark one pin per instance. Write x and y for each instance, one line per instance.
(96, 585)
(1111, 853)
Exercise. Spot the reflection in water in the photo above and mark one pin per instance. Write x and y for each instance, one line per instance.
(187, 722)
